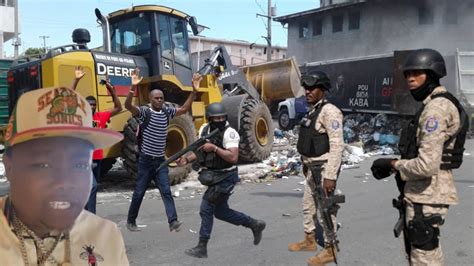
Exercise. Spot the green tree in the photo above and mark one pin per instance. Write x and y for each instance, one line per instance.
(34, 51)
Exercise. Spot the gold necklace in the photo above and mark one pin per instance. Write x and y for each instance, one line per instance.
(43, 254)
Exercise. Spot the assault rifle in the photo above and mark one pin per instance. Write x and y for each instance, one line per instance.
(194, 146)
(327, 206)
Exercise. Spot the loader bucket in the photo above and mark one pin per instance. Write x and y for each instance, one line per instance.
(275, 80)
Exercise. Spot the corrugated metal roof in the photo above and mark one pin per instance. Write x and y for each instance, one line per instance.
(286, 18)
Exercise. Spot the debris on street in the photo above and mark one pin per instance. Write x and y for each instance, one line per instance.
(375, 132)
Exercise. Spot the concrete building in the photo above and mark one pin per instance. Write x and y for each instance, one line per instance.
(346, 29)
(354, 41)
(7, 22)
(241, 52)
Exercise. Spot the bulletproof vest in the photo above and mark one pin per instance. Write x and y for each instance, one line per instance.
(311, 143)
(211, 160)
(451, 158)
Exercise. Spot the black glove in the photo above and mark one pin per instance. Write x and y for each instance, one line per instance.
(382, 168)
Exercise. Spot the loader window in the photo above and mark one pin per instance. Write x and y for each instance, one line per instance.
(131, 36)
(174, 39)
(165, 42)
(179, 39)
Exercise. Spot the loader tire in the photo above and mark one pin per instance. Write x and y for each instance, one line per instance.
(181, 133)
(106, 165)
(129, 153)
(256, 131)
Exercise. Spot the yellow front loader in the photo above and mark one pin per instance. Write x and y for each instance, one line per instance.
(155, 40)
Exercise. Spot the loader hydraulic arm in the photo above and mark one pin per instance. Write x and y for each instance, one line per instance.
(232, 78)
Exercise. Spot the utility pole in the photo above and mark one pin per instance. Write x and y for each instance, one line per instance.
(268, 38)
(269, 31)
(44, 41)
(17, 42)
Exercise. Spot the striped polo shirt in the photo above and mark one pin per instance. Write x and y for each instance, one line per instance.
(154, 136)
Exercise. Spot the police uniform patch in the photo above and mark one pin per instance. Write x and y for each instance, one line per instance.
(232, 135)
(431, 124)
(335, 124)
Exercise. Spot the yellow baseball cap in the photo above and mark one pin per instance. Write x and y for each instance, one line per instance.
(55, 112)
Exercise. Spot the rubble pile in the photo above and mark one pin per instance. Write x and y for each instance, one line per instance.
(378, 133)
(365, 135)
(352, 155)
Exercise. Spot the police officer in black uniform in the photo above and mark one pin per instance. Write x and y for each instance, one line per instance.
(218, 159)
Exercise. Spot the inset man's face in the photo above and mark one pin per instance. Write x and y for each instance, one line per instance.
(50, 181)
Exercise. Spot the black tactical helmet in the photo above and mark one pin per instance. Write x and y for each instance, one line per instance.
(426, 59)
(81, 36)
(215, 109)
(316, 78)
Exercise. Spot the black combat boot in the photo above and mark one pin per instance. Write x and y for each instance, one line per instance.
(257, 227)
(199, 251)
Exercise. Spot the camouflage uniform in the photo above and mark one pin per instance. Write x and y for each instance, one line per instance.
(426, 183)
(329, 121)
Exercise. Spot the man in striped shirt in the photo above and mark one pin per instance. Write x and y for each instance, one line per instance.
(152, 148)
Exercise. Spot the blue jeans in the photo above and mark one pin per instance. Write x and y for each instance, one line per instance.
(147, 166)
(221, 210)
(92, 202)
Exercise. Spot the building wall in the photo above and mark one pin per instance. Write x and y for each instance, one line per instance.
(7, 22)
(241, 52)
(384, 27)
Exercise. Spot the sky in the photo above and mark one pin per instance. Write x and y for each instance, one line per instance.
(227, 19)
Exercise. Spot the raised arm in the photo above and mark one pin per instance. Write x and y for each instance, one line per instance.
(187, 104)
(117, 104)
(78, 74)
(136, 79)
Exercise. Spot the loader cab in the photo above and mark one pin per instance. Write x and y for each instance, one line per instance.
(158, 34)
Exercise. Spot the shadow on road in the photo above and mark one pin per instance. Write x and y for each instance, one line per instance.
(279, 194)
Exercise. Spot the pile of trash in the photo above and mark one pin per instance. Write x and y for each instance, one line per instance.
(282, 138)
(375, 132)
(365, 135)
(284, 163)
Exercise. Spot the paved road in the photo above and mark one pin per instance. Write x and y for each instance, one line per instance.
(366, 234)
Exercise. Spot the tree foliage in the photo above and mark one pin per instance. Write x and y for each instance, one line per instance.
(34, 51)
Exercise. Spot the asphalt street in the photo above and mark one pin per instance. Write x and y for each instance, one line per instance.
(366, 236)
(367, 220)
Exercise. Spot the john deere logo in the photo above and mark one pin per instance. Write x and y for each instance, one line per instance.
(64, 105)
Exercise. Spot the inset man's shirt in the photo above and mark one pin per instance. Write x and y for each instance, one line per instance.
(91, 237)
(154, 136)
